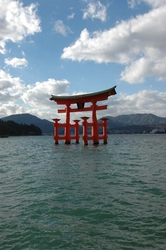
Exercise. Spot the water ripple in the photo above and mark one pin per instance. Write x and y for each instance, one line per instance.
(74, 197)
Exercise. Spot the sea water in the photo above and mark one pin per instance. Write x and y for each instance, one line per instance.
(83, 197)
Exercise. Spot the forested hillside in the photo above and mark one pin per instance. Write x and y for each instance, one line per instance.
(11, 128)
(45, 125)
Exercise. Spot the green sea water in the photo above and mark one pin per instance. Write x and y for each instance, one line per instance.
(83, 197)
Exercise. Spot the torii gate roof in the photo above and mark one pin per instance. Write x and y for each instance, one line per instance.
(96, 96)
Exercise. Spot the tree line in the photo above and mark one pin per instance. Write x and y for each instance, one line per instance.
(11, 128)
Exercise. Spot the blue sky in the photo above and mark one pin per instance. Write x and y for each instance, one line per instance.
(82, 46)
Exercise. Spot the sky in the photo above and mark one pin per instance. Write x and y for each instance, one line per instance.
(62, 47)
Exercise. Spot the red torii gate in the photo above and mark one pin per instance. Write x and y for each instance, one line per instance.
(80, 100)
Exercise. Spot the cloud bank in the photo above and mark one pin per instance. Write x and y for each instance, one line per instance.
(19, 98)
(136, 44)
(16, 97)
(17, 22)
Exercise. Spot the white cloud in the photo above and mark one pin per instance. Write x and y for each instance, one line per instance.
(137, 71)
(39, 94)
(142, 68)
(17, 62)
(36, 98)
(95, 10)
(23, 53)
(152, 3)
(17, 98)
(61, 28)
(131, 3)
(11, 108)
(17, 21)
(2, 47)
(71, 16)
(11, 87)
(138, 42)
(145, 101)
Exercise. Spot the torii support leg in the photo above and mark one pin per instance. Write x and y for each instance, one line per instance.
(67, 129)
(104, 130)
(56, 136)
(85, 132)
(95, 131)
(77, 130)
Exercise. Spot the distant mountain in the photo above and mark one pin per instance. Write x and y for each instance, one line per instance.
(135, 119)
(45, 125)
(134, 123)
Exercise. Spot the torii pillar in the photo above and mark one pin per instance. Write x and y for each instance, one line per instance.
(95, 132)
(67, 128)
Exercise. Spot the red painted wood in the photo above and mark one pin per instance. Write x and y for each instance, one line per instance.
(103, 107)
(80, 100)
